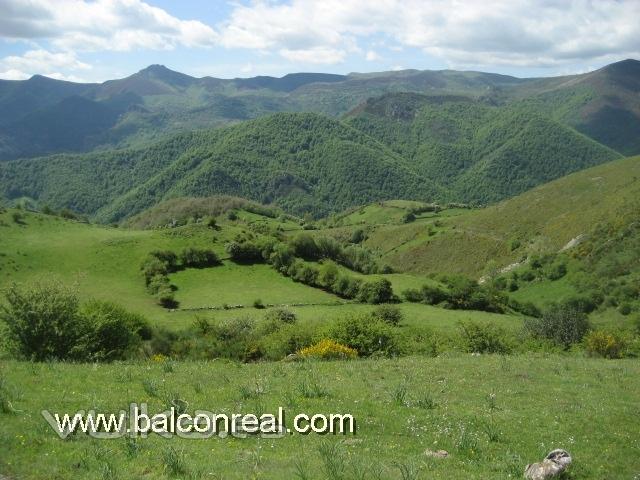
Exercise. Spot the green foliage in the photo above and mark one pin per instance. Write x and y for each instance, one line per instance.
(390, 314)
(561, 323)
(484, 338)
(377, 291)
(45, 321)
(244, 252)
(368, 335)
(192, 257)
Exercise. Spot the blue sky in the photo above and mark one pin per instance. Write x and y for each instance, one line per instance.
(101, 39)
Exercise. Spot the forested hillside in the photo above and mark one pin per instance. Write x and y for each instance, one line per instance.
(480, 153)
(304, 163)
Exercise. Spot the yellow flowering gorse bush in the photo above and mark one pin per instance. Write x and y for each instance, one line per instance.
(328, 349)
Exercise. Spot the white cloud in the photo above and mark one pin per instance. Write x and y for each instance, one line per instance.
(372, 56)
(43, 62)
(120, 25)
(13, 74)
(461, 32)
(317, 55)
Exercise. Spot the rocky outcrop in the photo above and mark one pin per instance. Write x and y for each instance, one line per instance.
(553, 464)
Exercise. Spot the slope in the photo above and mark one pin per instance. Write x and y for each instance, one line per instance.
(304, 163)
(482, 153)
(542, 220)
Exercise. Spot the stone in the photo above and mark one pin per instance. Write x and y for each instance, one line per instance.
(436, 453)
(553, 464)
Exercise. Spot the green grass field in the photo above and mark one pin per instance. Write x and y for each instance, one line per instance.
(492, 414)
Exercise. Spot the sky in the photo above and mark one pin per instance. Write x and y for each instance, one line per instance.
(92, 41)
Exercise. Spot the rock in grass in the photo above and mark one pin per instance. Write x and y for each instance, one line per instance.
(553, 464)
(436, 453)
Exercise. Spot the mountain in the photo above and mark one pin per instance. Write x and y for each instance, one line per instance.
(303, 162)
(481, 153)
(604, 105)
(157, 101)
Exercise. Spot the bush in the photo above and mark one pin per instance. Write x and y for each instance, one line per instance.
(328, 350)
(367, 335)
(42, 321)
(281, 257)
(432, 295)
(408, 217)
(563, 324)
(304, 246)
(113, 333)
(244, 252)
(412, 295)
(257, 303)
(604, 344)
(152, 267)
(346, 286)
(281, 315)
(166, 297)
(46, 321)
(358, 236)
(192, 257)
(328, 275)
(484, 338)
(329, 247)
(375, 292)
(168, 258)
(389, 314)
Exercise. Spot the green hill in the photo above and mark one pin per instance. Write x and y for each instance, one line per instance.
(481, 153)
(304, 163)
(542, 220)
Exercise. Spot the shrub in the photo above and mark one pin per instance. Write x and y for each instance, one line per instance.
(166, 297)
(581, 303)
(281, 315)
(68, 214)
(561, 323)
(114, 332)
(45, 321)
(358, 236)
(328, 275)
(484, 338)
(604, 344)
(281, 257)
(152, 267)
(624, 309)
(304, 246)
(17, 217)
(432, 295)
(168, 258)
(328, 350)
(346, 286)
(329, 247)
(244, 252)
(556, 271)
(192, 257)
(257, 303)
(375, 292)
(389, 314)
(412, 295)
(42, 321)
(367, 335)
(408, 217)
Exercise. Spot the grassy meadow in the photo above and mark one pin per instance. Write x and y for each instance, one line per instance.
(493, 414)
